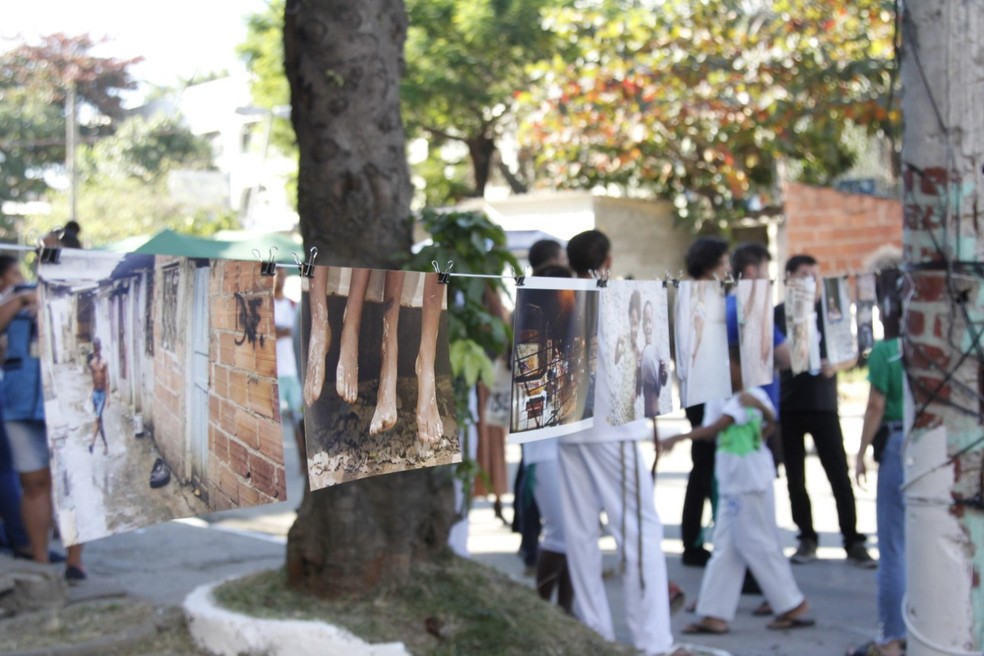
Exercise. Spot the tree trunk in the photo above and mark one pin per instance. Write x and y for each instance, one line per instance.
(343, 60)
(480, 150)
(943, 151)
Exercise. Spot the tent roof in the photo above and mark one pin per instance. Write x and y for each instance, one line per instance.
(168, 242)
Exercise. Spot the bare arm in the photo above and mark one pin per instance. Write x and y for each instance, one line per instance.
(751, 401)
(873, 415)
(782, 357)
(15, 304)
(708, 432)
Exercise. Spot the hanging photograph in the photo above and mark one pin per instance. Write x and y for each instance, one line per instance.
(755, 320)
(864, 310)
(801, 325)
(837, 322)
(555, 351)
(377, 377)
(701, 342)
(634, 343)
(160, 389)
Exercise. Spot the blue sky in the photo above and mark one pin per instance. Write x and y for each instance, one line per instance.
(177, 39)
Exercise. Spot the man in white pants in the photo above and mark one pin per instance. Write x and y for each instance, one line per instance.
(602, 469)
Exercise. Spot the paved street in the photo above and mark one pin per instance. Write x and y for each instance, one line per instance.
(166, 562)
(107, 492)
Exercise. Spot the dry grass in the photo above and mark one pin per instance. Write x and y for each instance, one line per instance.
(451, 607)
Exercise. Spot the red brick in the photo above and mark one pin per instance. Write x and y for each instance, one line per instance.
(915, 323)
(263, 476)
(271, 439)
(246, 357)
(262, 396)
(238, 458)
(218, 443)
(245, 429)
(227, 349)
(238, 388)
(249, 497)
(266, 358)
(220, 381)
(229, 484)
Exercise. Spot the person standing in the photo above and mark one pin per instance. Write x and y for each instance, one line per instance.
(603, 470)
(99, 369)
(808, 404)
(706, 259)
(884, 430)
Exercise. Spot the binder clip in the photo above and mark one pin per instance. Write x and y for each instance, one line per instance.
(443, 277)
(48, 254)
(269, 267)
(520, 277)
(602, 279)
(729, 281)
(306, 268)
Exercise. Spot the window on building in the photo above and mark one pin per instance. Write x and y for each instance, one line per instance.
(169, 309)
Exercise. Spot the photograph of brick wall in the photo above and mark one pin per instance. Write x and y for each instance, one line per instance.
(377, 382)
(160, 389)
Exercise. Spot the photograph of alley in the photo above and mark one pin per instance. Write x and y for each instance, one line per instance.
(377, 374)
(160, 389)
(555, 351)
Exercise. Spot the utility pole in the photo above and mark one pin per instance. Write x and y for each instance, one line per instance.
(71, 139)
(943, 155)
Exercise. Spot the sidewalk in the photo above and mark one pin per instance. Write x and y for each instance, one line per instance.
(165, 562)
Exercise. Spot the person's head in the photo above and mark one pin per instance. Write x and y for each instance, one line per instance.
(635, 310)
(10, 273)
(885, 263)
(707, 258)
(96, 345)
(553, 271)
(648, 322)
(750, 261)
(804, 266)
(544, 252)
(589, 251)
(70, 235)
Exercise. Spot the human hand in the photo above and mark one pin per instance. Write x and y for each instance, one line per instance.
(827, 370)
(666, 444)
(860, 471)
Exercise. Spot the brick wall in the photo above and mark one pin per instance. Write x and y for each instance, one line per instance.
(246, 463)
(841, 230)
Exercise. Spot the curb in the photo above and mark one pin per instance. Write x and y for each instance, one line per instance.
(223, 632)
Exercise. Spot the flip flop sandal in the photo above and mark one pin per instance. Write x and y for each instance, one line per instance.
(700, 628)
(762, 610)
(783, 623)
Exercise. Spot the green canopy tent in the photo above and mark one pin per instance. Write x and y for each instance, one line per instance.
(168, 242)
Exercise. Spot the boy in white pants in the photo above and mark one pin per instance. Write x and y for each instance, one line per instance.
(745, 533)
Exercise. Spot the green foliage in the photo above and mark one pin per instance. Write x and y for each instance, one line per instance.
(34, 84)
(465, 61)
(700, 102)
(124, 185)
(469, 243)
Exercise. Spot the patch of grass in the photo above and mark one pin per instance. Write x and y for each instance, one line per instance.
(453, 606)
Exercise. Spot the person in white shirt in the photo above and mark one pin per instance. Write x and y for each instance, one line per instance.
(745, 532)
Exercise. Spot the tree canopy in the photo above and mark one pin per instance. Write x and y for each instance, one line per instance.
(701, 101)
(34, 85)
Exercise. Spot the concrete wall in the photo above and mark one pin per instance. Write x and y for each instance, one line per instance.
(244, 433)
(645, 242)
(839, 229)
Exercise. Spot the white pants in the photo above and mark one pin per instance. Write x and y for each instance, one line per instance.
(546, 491)
(745, 535)
(591, 481)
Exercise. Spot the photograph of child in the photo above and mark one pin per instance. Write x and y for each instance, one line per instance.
(801, 325)
(865, 306)
(555, 351)
(636, 345)
(838, 329)
(377, 385)
(160, 389)
(755, 319)
(701, 342)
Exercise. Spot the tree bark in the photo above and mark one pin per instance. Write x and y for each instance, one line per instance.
(343, 60)
(942, 152)
(480, 149)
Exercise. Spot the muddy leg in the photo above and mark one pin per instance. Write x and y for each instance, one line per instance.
(320, 336)
(429, 425)
(385, 415)
(347, 375)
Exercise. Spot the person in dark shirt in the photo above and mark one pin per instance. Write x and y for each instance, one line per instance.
(808, 404)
